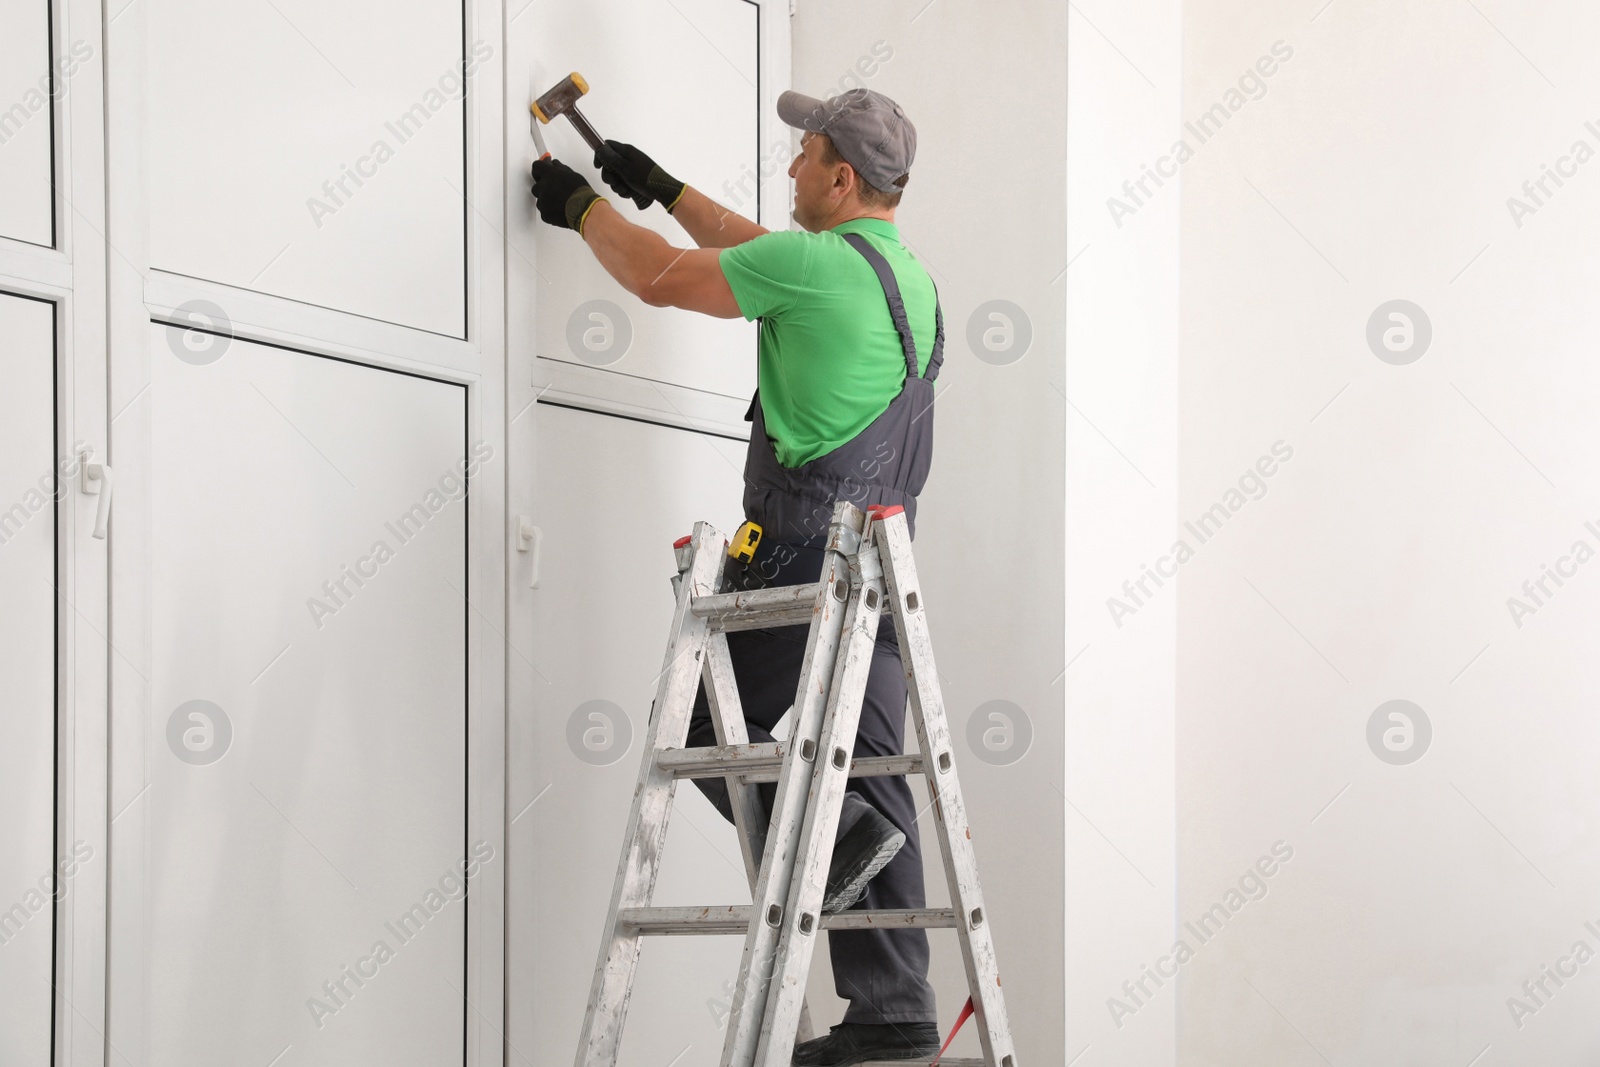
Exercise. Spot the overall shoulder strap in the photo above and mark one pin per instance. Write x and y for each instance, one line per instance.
(936, 360)
(891, 290)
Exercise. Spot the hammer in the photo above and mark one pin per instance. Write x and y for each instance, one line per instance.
(562, 99)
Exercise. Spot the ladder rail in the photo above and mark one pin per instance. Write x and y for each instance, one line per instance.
(646, 832)
(793, 786)
(952, 829)
(836, 745)
(749, 812)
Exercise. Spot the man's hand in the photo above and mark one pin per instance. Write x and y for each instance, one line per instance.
(635, 175)
(561, 193)
(638, 177)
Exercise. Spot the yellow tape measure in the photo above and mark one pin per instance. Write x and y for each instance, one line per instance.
(743, 546)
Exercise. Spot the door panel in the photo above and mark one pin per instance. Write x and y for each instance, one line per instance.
(25, 120)
(313, 151)
(27, 676)
(307, 743)
(679, 80)
(614, 494)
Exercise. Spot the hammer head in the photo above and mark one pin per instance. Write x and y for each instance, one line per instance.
(561, 99)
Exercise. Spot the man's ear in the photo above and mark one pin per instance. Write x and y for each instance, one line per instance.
(843, 173)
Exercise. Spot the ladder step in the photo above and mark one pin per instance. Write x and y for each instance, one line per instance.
(717, 761)
(722, 919)
(761, 762)
(891, 918)
(735, 919)
(783, 605)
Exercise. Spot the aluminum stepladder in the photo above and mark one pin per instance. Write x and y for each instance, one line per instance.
(867, 568)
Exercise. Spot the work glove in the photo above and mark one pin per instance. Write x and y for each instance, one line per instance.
(635, 175)
(561, 194)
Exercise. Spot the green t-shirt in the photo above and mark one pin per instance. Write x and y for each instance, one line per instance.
(828, 360)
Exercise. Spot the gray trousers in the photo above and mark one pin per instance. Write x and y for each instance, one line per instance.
(882, 973)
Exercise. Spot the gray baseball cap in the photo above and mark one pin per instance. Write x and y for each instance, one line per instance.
(870, 131)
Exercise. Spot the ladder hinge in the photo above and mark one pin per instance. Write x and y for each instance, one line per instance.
(843, 539)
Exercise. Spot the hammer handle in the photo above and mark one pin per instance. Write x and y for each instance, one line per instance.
(586, 131)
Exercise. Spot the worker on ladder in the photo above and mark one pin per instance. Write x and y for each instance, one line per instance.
(850, 342)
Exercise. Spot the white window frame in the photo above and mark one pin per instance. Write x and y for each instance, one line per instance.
(71, 275)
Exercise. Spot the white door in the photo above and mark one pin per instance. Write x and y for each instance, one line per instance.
(251, 734)
(27, 85)
(626, 427)
(28, 576)
(680, 81)
(617, 494)
(314, 151)
(306, 815)
(307, 767)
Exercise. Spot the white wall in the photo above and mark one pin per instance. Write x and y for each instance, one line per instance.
(1378, 563)
(1125, 86)
(990, 528)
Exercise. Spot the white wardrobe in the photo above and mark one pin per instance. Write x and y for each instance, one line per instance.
(283, 735)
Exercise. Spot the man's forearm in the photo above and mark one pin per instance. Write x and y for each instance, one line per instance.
(653, 270)
(710, 224)
(633, 255)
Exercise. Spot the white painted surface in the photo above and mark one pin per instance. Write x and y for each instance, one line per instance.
(679, 81)
(614, 495)
(1378, 565)
(25, 116)
(339, 802)
(252, 109)
(27, 676)
(1122, 493)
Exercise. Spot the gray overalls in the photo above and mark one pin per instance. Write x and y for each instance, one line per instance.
(882, 973)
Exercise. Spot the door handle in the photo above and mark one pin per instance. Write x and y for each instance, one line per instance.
(530, 539)
(96, 479)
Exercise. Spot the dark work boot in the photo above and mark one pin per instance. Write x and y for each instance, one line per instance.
(866, 843)
(850, 1043)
